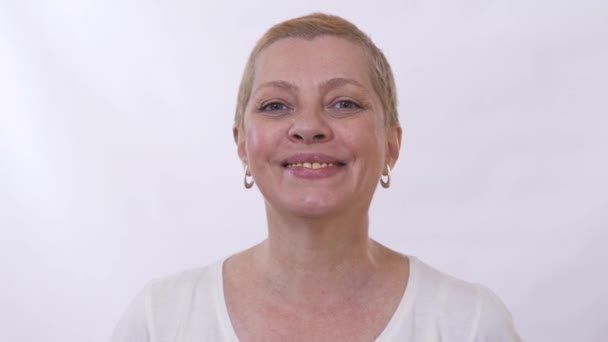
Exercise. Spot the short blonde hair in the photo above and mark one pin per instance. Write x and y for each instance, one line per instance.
(312, 26)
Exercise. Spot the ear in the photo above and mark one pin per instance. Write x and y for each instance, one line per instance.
(393, 141)
(239, 140)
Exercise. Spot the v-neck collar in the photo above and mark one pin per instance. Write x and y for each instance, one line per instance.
(405, 304)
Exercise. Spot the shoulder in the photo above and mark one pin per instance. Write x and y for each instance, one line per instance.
(157, 310)
(494, 321)
(179, 285)
(463, 311)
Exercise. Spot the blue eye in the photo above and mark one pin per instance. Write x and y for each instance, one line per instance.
(346, 104)
(274, 107)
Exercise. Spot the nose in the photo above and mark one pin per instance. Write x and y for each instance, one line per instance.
(310, 127)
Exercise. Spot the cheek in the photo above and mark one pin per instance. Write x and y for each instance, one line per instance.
(261, 141)
(365, 139)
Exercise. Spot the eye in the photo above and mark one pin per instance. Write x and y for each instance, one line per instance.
(273, 107)
(346, 105)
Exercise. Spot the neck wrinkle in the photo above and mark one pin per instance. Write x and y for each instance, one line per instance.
(317, 260)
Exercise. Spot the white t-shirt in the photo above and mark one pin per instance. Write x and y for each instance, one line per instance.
(190, 307)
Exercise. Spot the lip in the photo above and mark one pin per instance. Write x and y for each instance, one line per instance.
(302, 172)
(312, 158)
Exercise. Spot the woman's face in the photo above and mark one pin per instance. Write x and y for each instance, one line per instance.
(313, 133)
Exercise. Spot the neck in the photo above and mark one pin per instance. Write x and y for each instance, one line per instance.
(301, 253)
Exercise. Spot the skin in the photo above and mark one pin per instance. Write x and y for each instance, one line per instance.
(318, 276)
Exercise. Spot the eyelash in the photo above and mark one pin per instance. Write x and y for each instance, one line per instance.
(349, 102)
(265, 107)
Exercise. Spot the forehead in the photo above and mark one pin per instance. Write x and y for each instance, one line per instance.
(303, 61)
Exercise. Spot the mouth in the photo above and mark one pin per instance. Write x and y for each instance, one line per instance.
(312, 162)
(312, 165)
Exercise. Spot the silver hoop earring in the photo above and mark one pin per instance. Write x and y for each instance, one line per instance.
(248, 183)
(386, 183)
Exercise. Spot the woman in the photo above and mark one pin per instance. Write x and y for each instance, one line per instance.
(316, 128)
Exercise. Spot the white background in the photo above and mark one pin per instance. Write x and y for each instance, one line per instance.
(117, 163)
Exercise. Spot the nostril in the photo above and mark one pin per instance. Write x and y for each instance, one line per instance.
(308, 137)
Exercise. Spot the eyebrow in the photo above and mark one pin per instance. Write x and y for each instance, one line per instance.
(340, 82)
(332, 83)
(277, 84)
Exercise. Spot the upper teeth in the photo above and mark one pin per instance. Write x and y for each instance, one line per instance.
(311, 165)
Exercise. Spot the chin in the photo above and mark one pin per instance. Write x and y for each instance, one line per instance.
(315, 212)
(312, 208)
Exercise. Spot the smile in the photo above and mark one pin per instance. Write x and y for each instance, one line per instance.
(311, 165)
